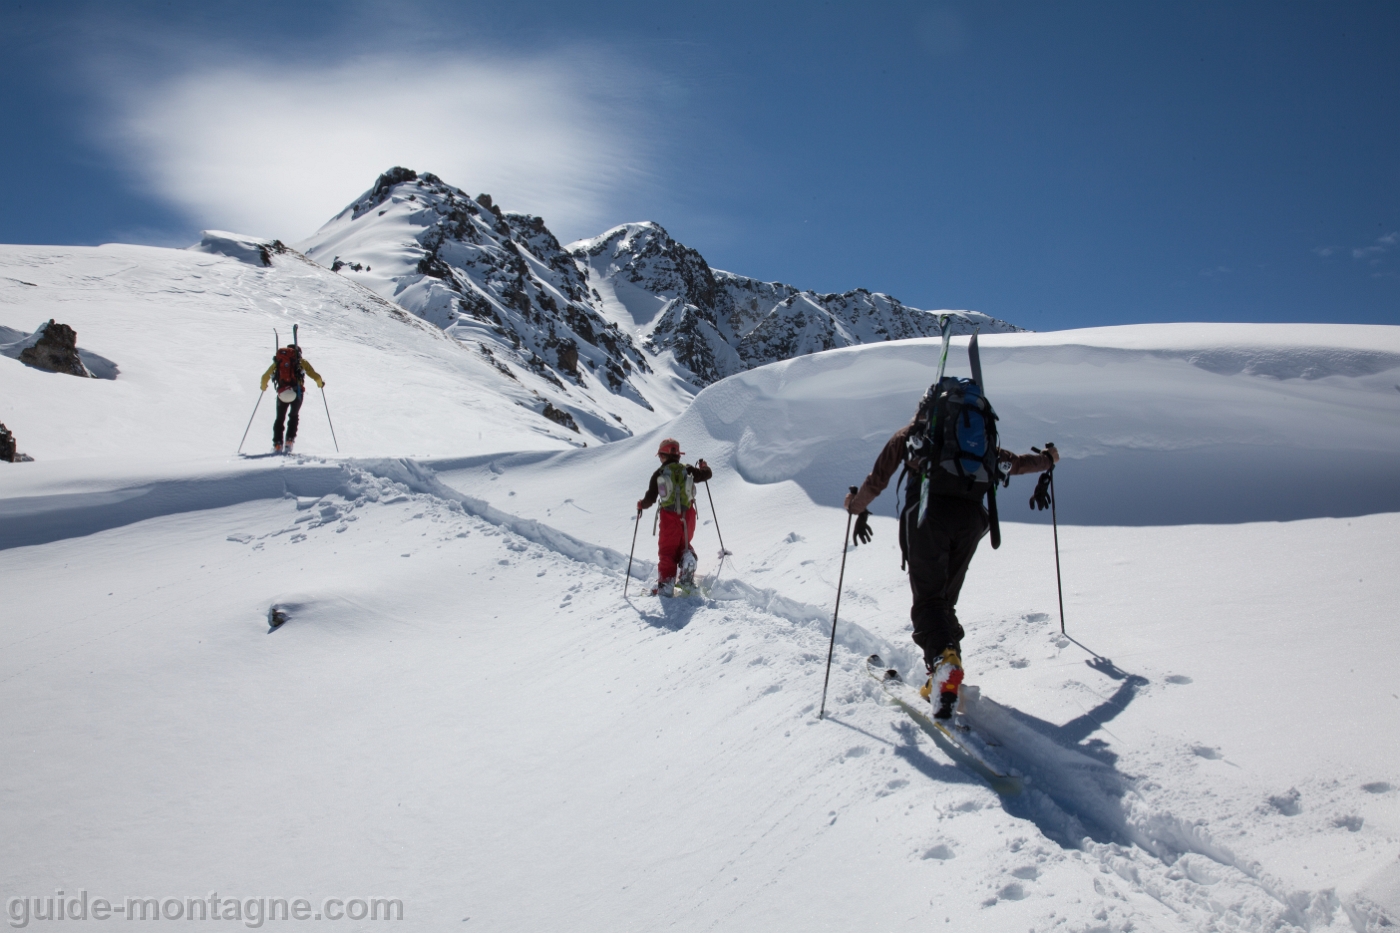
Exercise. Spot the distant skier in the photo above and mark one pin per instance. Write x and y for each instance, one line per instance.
(290, 372)
(672, 488)
(943, 518)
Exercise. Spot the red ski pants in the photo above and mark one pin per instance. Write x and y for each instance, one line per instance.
(676, 532)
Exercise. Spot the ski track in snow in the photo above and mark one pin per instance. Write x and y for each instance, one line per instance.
(716, 801)
(1081, 802)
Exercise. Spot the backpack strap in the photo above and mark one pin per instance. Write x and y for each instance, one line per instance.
(993, 524)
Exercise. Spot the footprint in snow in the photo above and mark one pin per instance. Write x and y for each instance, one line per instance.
(1289, 804)
(1011, 892)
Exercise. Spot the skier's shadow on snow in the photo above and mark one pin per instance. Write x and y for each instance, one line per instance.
(909, 750)
(674, 614)
(1076, 733)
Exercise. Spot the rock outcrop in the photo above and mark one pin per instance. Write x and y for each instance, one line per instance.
(9, 453)
(56, 350)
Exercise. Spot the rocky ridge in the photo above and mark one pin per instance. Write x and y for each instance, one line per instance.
(717, 323)
(604, 328)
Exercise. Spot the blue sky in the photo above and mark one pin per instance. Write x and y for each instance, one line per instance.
(1053, 164)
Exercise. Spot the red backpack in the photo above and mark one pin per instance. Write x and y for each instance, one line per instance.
(288, 360)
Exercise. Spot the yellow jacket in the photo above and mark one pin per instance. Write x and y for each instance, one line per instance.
(320, 383)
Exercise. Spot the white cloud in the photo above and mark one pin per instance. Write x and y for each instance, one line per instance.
(277, 151)
(1382, 245)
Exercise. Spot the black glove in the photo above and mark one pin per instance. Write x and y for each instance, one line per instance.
(1040, 499)
(863, 534)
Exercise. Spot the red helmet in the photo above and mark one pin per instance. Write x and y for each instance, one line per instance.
(669, 446)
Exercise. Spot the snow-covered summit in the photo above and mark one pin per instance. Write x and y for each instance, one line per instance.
(500, 283)
(624, 327)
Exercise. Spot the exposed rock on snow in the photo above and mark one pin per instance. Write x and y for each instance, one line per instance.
(55, 350)
(8, 451)
(14, 343)
(255, 251)
(560, 417)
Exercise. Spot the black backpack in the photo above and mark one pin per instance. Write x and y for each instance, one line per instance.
(952, 450)
(955, 441)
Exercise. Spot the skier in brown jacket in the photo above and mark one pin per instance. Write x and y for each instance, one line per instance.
(938, 545)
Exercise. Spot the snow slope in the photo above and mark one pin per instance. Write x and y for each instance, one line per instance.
(191, 332)
(1159, 424)
(464, 713)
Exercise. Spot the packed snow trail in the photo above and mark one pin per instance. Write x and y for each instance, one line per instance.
(1082, 807)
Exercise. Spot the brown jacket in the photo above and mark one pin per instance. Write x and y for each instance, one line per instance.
(894, 453)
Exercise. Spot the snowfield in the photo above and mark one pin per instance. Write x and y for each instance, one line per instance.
(465, 714)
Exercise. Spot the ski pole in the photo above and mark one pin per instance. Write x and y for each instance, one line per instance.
(1055, 526)
(250, 420)
(839, 581)
(716, 517)
(328, 419)
(628, 579)
(723, 551)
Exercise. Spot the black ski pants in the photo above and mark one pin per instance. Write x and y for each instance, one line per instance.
(939, 552)
(292, 412)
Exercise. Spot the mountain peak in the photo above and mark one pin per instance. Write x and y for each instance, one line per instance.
(615, 330)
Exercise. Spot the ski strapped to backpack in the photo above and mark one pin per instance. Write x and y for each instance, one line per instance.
(288, 374)
(953, 450)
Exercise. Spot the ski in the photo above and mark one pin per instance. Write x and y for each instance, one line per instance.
(960, 748)
(945, 324)
(974, 359)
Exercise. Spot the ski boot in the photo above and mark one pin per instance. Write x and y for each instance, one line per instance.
(689, 561)
(665, 588)
(945, 674)
(277, 447)
(287, 448)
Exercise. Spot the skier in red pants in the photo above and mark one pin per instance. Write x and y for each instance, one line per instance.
(672, 488)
